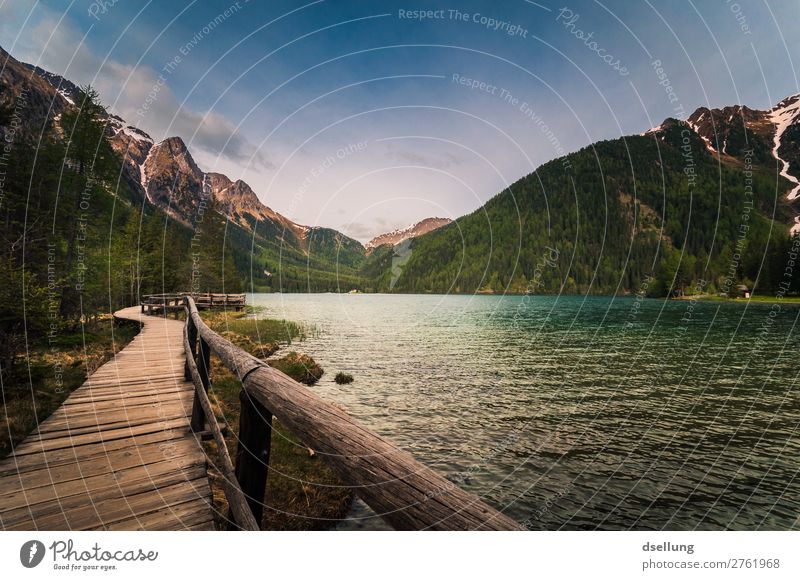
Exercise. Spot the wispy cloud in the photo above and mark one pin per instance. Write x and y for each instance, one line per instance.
(365, 231)
(438, 161)
(138, 94)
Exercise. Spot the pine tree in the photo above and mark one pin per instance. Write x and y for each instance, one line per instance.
(89, 165)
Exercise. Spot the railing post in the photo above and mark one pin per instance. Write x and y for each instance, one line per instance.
(204, 363)
(203, 359)
(252, 452)
(191, 331)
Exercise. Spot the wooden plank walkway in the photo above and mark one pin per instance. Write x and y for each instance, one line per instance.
(118, 454)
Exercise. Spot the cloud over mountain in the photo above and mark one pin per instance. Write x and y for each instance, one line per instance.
(135, 92)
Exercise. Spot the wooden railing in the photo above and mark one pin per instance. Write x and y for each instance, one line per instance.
(404, 492)
(165, 303)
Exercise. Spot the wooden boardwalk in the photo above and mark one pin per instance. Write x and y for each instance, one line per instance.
(118, 454)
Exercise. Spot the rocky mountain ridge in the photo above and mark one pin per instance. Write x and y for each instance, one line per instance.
(164, 173)
(414, 230)
(724, 141)
(760, 137)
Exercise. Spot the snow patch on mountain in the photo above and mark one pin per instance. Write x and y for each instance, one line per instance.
(206, 187)
(118, 126)
(782, 116)
(696, 128)
(653, 130)
(143, 174)
(66, 96)
(137, 134)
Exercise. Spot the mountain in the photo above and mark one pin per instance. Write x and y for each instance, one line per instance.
(167, 176)
(396, 236)
(172, 180)
(67, 89)
(269, 248)
(733, 130)
(28, 97)
(706, 203)
(767, 135)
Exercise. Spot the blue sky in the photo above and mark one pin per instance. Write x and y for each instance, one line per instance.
(349, 114)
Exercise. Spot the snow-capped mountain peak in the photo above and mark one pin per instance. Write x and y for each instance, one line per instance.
(399, 235)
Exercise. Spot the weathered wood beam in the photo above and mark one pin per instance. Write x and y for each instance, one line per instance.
(233, 492)
(403, 491)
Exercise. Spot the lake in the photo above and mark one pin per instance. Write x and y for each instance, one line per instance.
(574, 412)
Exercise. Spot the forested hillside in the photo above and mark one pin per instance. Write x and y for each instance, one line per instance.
(95, 214)
(657, 211)
(73, 244)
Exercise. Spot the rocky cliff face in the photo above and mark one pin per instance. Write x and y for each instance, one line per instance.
(132, 145)
(239, 202)
(734, 130)
(65, 88)
(172, 180)
(31, 102)
(165, 173)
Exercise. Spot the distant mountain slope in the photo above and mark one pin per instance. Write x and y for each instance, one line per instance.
(708, 200)
(36, 102)
(786, 117)
(659, 213)
(396, 236)
(165, 176)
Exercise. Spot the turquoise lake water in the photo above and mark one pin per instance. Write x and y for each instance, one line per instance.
(575, 412)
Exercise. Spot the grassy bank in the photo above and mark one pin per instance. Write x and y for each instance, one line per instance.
(302, 491)
(40, 381)
(756, 299)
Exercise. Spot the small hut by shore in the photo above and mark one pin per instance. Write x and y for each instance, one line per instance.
(742, 291)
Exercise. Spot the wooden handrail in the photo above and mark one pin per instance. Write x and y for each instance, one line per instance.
(233, 492)
(174, 302)
(404, 492)
(203, 297)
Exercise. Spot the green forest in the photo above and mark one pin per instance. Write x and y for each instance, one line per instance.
(635, 215)
(661, 216)
(75, 246)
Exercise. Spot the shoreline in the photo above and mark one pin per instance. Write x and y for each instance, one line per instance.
(794, 300)
(633, 296)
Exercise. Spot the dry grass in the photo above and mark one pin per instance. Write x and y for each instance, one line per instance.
(303, 493)
(43, 379)
(253, 331)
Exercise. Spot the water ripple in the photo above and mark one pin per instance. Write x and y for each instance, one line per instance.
(572, 413)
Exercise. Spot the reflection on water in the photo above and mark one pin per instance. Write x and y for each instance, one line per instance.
(572, 412)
